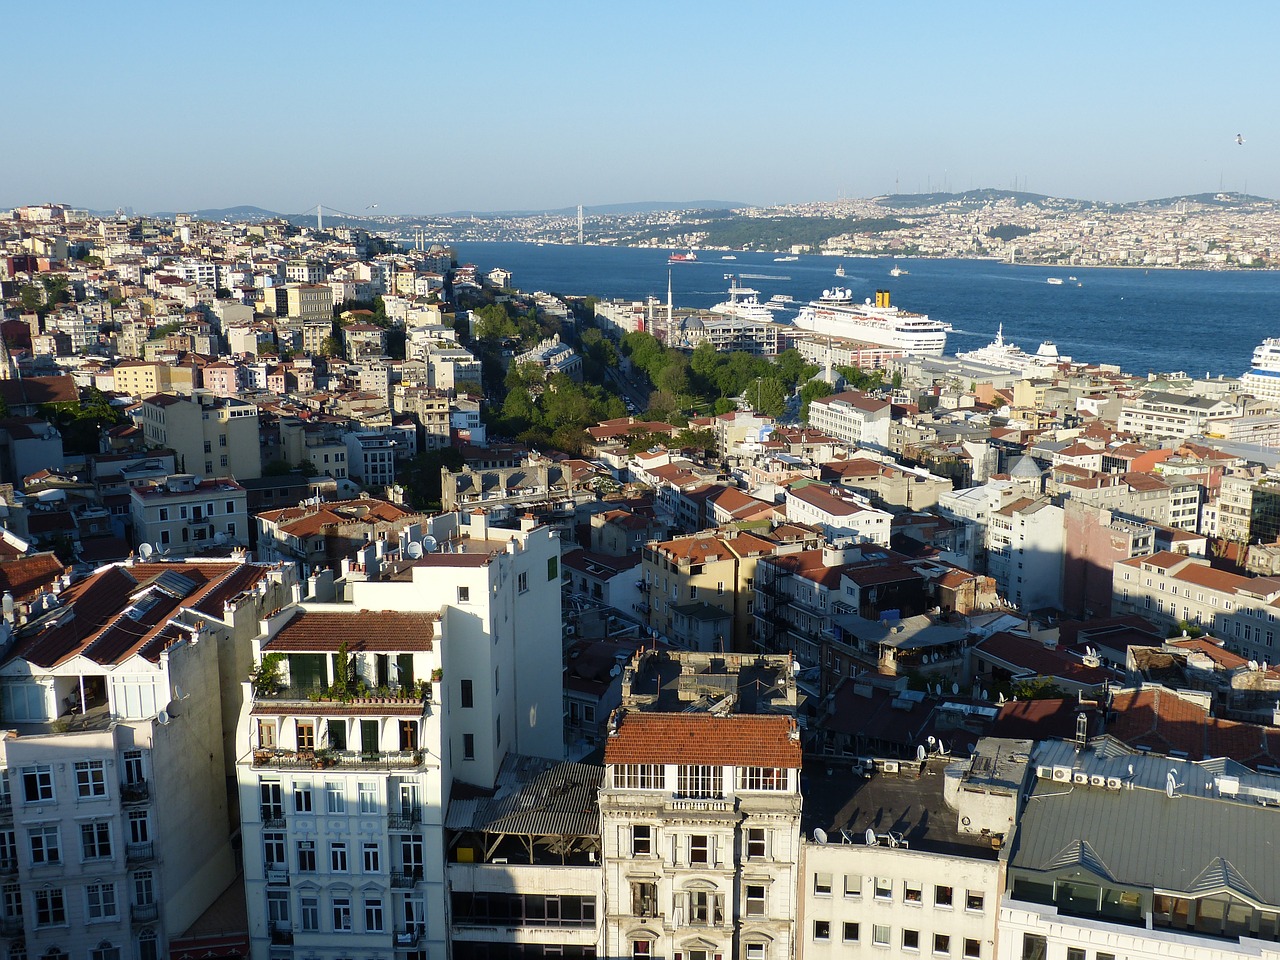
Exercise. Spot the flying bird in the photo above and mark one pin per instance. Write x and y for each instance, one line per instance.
(1240, 139)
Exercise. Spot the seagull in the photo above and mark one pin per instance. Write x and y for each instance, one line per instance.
(1240, 139)
(372, 206)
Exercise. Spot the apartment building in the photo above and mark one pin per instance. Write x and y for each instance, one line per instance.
(317, 534)
(1025, 552)
(1249, 507)
(308, 302)
(211, 436)
(117, 831)
(371, 458)
(1173, 588)
(854, 417)
(838, 512)
(1094, 872)
(700, 809)
(904, 859)
(182, 516)
(1160, 415)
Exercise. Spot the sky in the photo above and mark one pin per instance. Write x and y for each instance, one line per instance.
(426, 107)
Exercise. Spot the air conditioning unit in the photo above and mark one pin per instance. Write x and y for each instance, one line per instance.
(1044, 773)
(1079, 777)
(1062, 774)
(1097, 780)
(1114, 783)
(890, 766)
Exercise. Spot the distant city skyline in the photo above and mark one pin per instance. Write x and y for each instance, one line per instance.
(431, 108)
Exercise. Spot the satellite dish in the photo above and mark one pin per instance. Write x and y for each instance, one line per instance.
(920, 753)
(162, 718)
(146, 550)
(955, 688)
(819, 835)
(413, 550)
(1171, 784)
(870, 837)
(429, 544)
(985, 695)
(932, 741)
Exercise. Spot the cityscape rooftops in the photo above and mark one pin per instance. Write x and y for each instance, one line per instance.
(750, 740)
(364, 631)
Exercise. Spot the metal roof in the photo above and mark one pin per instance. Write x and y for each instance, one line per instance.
(535, 797)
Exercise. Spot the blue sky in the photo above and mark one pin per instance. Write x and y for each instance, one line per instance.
(431, 107)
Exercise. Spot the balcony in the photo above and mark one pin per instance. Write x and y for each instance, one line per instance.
(8, 866)
(412, 935)
(403, 819)
(273, 818)
(6, 809)
(133, 793)
(12, 927)
(405, 879)
(341, 760)
(139, 852)
(281, 935)
(144, 912)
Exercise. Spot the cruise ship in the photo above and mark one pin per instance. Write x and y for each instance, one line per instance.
(1263, 379)
(1003, 355)
(836, 314)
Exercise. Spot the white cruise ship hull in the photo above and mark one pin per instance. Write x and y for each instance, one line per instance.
(927, 338)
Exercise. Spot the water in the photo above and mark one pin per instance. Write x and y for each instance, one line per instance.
(1161, 320)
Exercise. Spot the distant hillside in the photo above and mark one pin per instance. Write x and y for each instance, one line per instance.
(606, 209)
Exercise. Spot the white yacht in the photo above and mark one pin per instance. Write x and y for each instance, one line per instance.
(743, 303)
(1262, 380)
(1004, 355)
(836, 314)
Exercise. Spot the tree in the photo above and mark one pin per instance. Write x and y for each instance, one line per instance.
(811, 391)
(492, 322)
(421, 476)
(32, 299)
(768, 395)
(702, 440)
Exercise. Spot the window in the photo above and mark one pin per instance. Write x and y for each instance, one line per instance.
(973, 900)
(51, 909)
(699, 780)
(37, 783)
(341, 913)
(972, 949)
(910, 939)
(553, 567)
(45, 844)
(641, 840)
(164, 513)
(95, 840)
(306, 735)
(468, 746)
(464, 594)
(850, 934)
(105, 951)
(368, 797)
(139, 827)
(884, 888)
(372, 856)
(338, 857)
(644, 899)
(101, 900)
(467, 699)
(941, 944)
(942, 896)
(522, 582)
(755, 900)
(762, 778)
(302, 798)
(334, 800)
(273, 850)
(911, 892)
(309, 913)
(148, 946)
(208, 446)
(373, 915)
(133, 767)
(641, 949)
(880, 935)
(822, 929)
(144, 888)
(852, 885)
(223, 461)
(756, 951)
(1075, 953)
(638, 776)
(306, 856)
(699, 848)
(1034, 946)
(756, 844)
(822, 884)
(91, 779)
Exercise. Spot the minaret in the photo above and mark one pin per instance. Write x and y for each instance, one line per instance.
(670, 314)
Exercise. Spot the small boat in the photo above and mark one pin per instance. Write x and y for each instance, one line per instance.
(689, 257)
(785, 259)
(729, 257)
(1056, 281)
(840, 270)
(1071, 278)
(897, 271)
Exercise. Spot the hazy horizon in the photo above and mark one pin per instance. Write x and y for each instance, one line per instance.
(432, 109)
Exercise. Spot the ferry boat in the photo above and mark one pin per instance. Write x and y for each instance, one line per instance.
(840, 270)
(743, 303)
(1056, 281)
(689, 257)
(785, 259)
(897, 271)
(836, 314)
(1004, 355)
(729, 257)
(1262, 380)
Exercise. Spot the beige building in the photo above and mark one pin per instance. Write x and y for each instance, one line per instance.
(309, 301)
(211, 436)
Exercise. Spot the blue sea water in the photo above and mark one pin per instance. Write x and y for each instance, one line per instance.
(1157, 320)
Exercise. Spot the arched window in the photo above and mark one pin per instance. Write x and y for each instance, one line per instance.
(105, 951)
(55, 953)
(148, 945)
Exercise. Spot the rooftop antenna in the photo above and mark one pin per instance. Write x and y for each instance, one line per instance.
(921, 753)
(145, 551)
(870, 836)
(1171, 785)
(819, 835)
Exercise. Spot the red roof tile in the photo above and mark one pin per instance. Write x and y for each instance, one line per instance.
(741, 740)
(365, 631)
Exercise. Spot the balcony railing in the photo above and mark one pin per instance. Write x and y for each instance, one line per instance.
(139, 852)
(389, 760)
(144, 912)
(405, 879)
(137, 792)
(281, 935)
(403, 819)
(12, 927)
(8, 866)
(6, 808)
(273, 818)
(412, 935)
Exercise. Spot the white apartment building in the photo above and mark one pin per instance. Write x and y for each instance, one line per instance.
(970, 509)
(904, 860)
(700, 812)
(182, 516)
(371, 458)
(1025, 552)
(114, 820)
(449, 366)
(211, 436)
(1173, 416)
(854, 417)
(838, 512)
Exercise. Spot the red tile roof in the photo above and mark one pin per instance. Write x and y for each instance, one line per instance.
(382, 631)
(26, 575)
(742, 740)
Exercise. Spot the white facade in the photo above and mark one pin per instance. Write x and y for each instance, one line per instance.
(853, 417)
(184, 517)
(1025, 542)
(371, 458)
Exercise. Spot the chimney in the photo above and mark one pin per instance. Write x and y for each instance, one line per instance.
(479, 524)
(528, 522)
